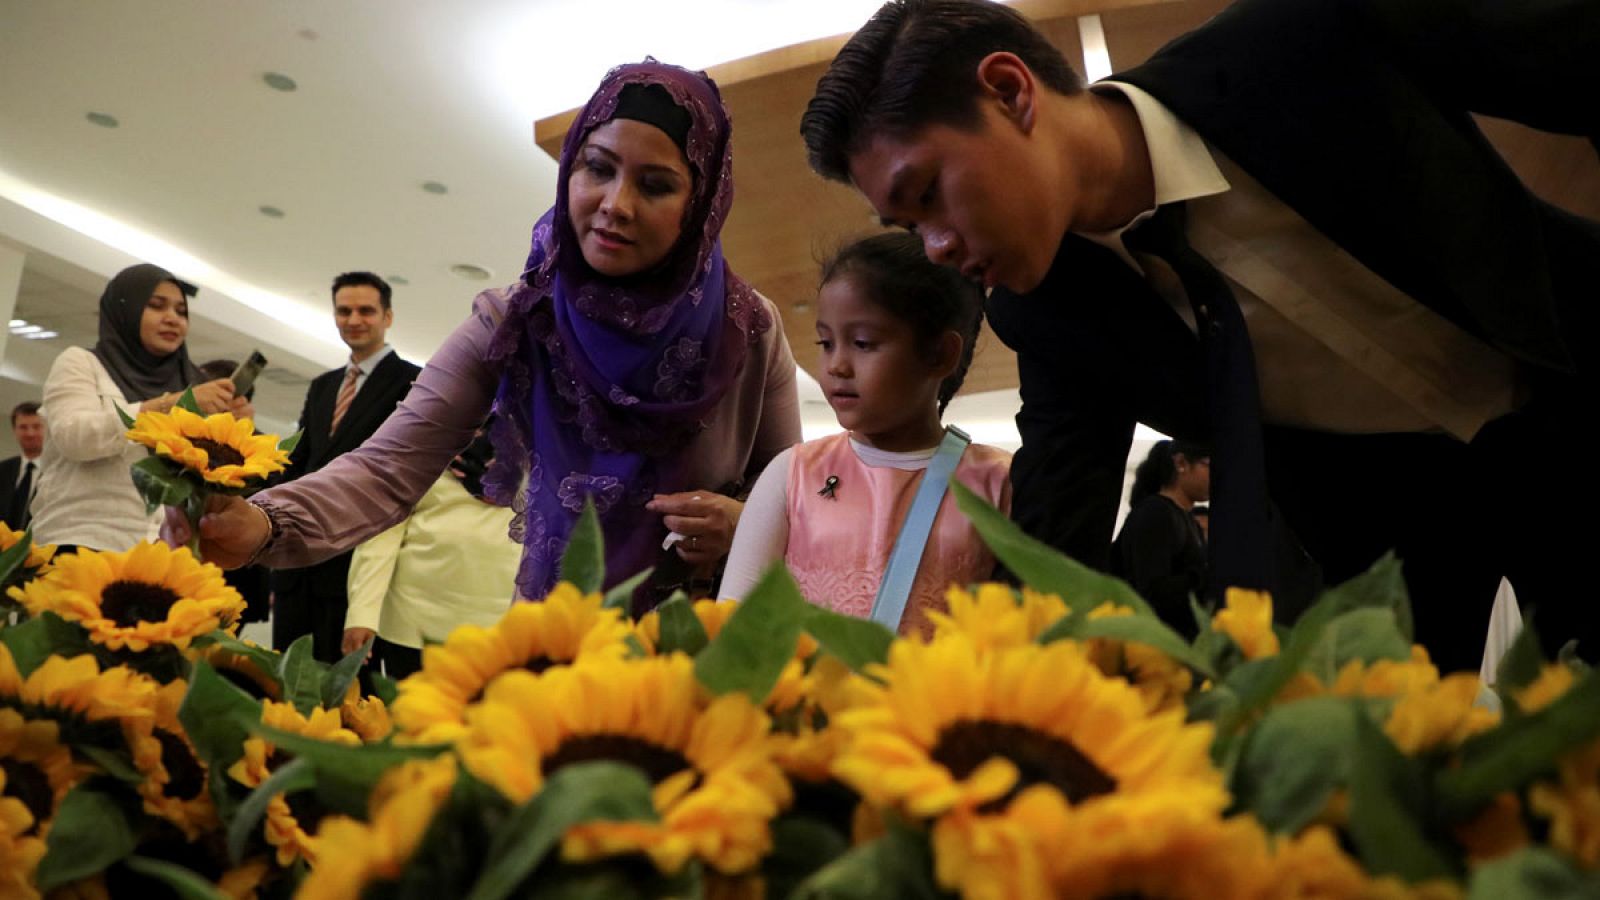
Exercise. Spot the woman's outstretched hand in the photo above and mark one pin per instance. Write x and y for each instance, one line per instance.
(231, 531)
(705, 519)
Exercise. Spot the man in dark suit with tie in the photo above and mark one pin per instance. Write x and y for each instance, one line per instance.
(343, 408)
(19, 475)
(1285, 236)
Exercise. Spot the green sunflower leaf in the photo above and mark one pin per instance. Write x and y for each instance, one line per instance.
(1380, 587)
(127, 420)
(91, 831)
(185, 882)
(1388, 808)
(757, 641)
(577, 793)
(187, 402)
(159, 484)
(897, 866)
(301, 675)
(384, 688)
(1532, 873)
(111, 762)
(336, 682)
(856, 642)
(15, 555)
(288, 444)
(346, 773)
(1150, 631)
(801, 846)
(262, 658)
(583, 563)
(1511, 755)
(1293, 761)
(620, 597)
(680, 627)
(1367, 634)
(295, 775)
(1041, 566)
(210, 714)
(43, 636)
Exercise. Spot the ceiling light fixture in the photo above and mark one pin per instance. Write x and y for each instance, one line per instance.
(16, 322)
(435, 187)
(104, 120)
(25, 329)
(470, 272)
(271, 212)
(279, 82)
(41, 335)
(399, 279)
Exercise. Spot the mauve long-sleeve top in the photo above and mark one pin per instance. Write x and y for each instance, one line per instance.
(376, 485)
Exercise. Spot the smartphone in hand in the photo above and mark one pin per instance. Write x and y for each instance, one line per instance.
(244, 377)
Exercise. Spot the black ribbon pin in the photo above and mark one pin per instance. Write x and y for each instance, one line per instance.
(829, 487)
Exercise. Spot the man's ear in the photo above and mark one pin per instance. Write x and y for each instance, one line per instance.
(1005, 79)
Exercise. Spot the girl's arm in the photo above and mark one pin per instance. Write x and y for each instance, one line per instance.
(763, 533)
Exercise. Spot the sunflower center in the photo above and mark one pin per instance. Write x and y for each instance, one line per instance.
(130, 602)
(657, 763)
(303, 805)
(218, 454)
(1040, 759)
(28, 783)
(185, 778)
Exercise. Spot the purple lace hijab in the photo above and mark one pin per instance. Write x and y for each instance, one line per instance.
(605, 381)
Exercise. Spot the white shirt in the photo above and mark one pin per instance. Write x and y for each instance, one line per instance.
(85, 494)
(450, 563)
(367, 365)
(1337, 348)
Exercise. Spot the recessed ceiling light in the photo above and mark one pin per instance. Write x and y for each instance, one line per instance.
(104, 120)
(41, 335)
(279, 81)
(271, 212)
(470, 272)
(17, 322)
(25, 328)
(435, 187)
(307, 33)
(399, 279)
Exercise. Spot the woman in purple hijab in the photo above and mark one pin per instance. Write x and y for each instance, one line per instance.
(628, 366)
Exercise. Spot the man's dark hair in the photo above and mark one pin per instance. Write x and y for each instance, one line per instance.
(349, 279)
(915, 64)
(26, 408)
(893, 272)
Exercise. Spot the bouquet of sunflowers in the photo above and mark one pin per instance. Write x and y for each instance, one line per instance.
(1052, 741)
(193, 456)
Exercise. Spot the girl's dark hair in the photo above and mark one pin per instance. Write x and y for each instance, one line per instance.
(1159, 470)
(893, 272)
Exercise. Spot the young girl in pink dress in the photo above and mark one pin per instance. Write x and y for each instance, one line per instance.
(896, 334)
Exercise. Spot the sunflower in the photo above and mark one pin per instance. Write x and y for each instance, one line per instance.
(174, 785)
(1495, 831)
(1162, 680)
(1439, 716)
(713, 614)
(1312, 865)
(534, 636)
(149, 595)
(38, 557)
(218, 448)
(243, 672)
(290, 822)
(996, 616)
(1386, 677)
(792, 685)
(952, 727)
(366, 716)
(402, 807)
(1247, 618)
(39, 769)
(715, 785)
(20, 848)
(74, 691)
(1571, 803)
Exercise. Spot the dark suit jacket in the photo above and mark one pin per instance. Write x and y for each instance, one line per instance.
(1356, 115)
(377, 398)
(10, 471)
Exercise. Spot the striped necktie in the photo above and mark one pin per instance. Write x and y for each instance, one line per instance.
(347, 392)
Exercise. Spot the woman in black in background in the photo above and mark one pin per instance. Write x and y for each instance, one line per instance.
(1160, 550)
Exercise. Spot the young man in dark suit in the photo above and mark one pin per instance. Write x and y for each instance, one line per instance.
(1420, 326)
(343, 408)
(19, 475)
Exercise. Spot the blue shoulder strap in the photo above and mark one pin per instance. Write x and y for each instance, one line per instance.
(906, 557)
